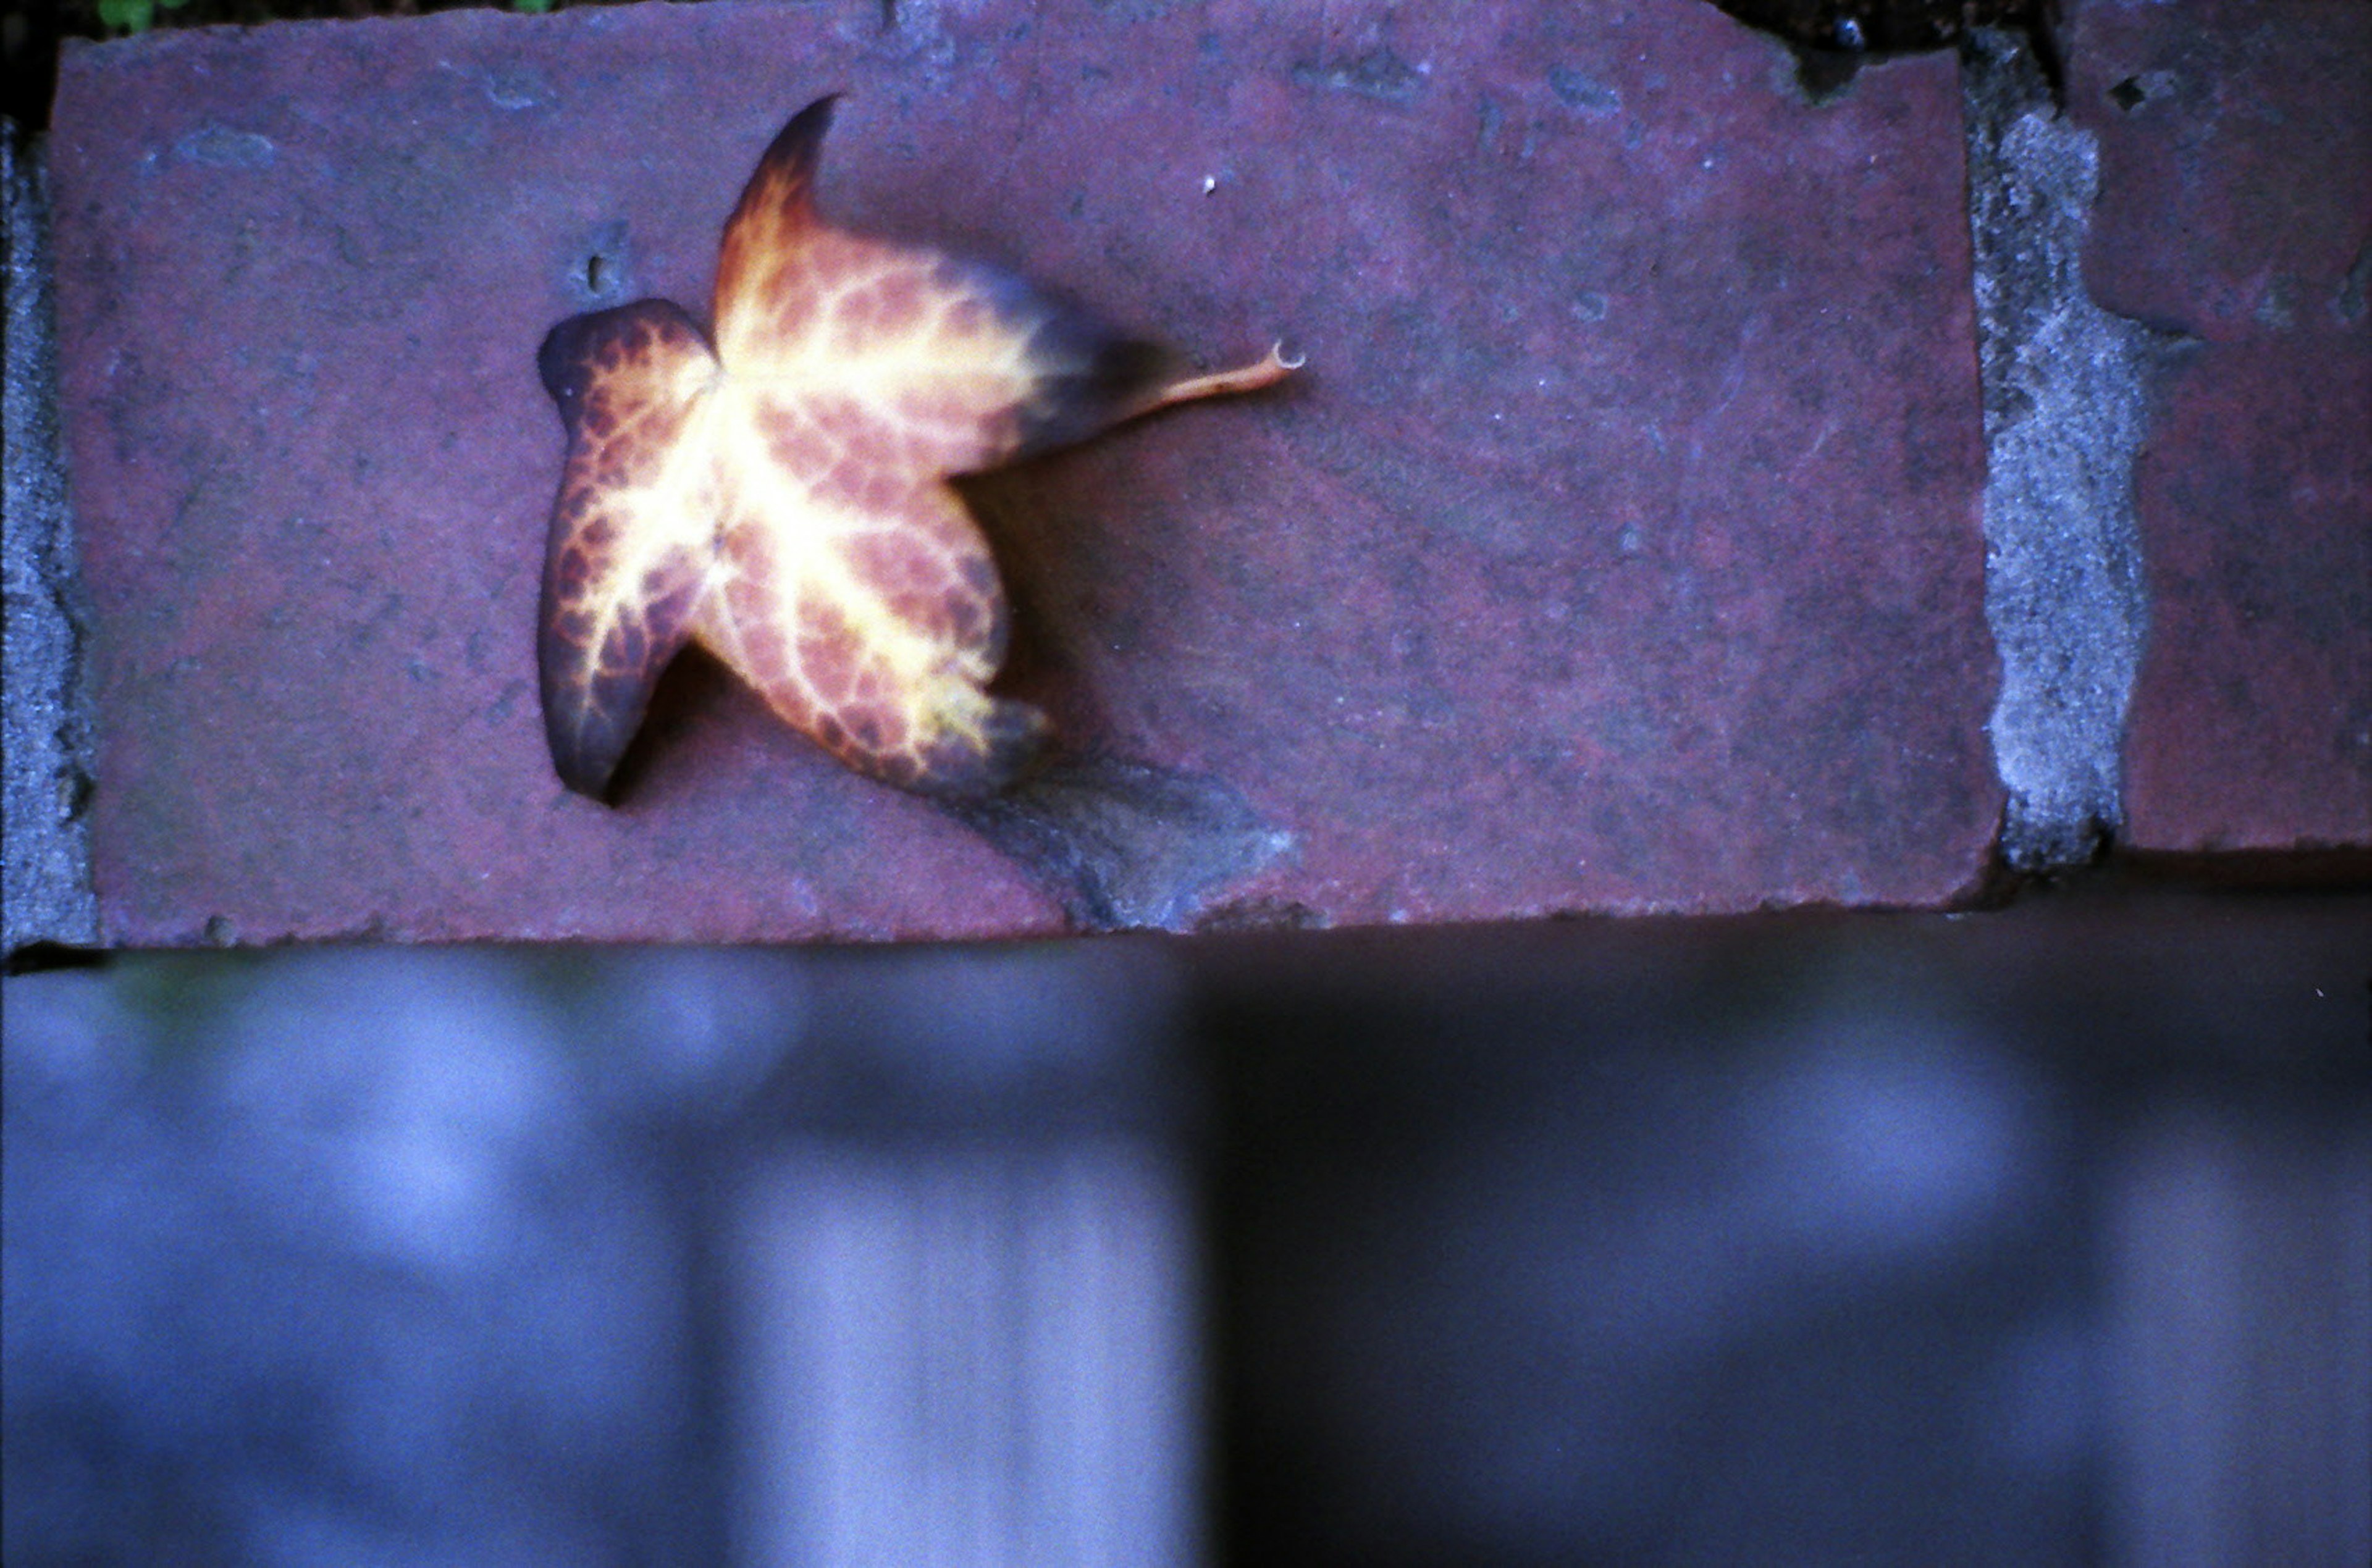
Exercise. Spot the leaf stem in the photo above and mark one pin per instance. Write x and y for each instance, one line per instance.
(1266, 371)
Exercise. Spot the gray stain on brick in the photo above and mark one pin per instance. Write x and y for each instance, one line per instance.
(2065, 389)
(1580, 91)
(218, 147)
(516, 88)
(1379, 73)
(2347, 304)
(47, 726)
(1129, 846)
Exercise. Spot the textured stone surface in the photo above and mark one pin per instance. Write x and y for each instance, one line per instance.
(2235, 206)
(2065, 413)
(1619, 548)
(44, 730)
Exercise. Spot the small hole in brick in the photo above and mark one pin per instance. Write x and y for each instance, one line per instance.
(600, 267)
(2143, 88)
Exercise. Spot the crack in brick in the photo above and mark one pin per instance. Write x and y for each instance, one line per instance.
(2066, 388)
(45, 831)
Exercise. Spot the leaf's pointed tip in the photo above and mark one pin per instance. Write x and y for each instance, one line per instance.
(816, 118)
(587, 740)
(785, 172)
(576, 759)
(801, 142)
(594, 788)
(989, 760)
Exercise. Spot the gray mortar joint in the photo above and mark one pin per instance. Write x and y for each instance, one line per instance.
(2065, 387)
(45, 870)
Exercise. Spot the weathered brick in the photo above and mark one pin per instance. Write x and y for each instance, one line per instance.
(1618, 550)
(2236, 207)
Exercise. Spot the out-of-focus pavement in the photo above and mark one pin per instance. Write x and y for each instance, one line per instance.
(2042, 1237)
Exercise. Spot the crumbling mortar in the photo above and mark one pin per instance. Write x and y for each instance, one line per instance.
(45, 730)
(2065, 389)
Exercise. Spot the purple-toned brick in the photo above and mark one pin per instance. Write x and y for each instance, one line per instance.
(2236, 206)
(1618, 550)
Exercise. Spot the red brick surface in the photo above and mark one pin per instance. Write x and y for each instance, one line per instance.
(2235, 206)
(1617, 550)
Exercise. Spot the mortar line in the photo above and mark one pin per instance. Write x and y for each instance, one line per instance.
(45, 725)
(2064, 392)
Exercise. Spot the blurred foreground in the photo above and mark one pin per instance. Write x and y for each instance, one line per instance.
(2041, 1236)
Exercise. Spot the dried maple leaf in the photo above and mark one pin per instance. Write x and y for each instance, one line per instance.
(779, 494)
